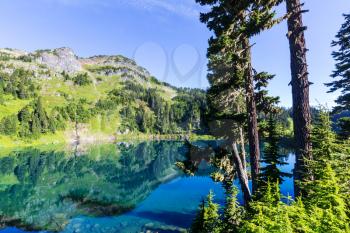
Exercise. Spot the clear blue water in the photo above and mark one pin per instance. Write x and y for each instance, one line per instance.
(166, 200)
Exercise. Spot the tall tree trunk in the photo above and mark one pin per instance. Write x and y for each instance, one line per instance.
(253, 135)
(242, 144)
(300, 91)
(241, 173)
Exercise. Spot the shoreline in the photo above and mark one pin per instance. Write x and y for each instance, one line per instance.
(64, 140)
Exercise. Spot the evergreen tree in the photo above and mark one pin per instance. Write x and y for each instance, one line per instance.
(19, 84)
(268, 214)
(326, 204)
(324, 212)
(82, 79)
(57, 120)
(8, 125)
(25, 118)
(342, 67)
(165, 125)
(82, 111)
(2, 95)
(328, 151)
(41, 115)
(301, 221)
(233, 213)
(208, 218)
(198, 222)
(24, 130)
(211, 215)
(344, 124)
(271, 158)
(52, 124)
(24, 115)
(233, 25)
(145, 119)
(36, 126)
(300, 92)
(324, 139)
(22, 92)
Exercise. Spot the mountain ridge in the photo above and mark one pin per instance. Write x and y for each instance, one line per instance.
(96, 97)
(65, 59)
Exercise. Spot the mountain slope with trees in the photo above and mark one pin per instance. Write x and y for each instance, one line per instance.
(50, 95)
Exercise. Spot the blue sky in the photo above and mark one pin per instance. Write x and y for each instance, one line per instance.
(166, 37)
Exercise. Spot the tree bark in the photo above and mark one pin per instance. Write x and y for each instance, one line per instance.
(300, 92)
(242, 145)
(253, 135)
(241, 173)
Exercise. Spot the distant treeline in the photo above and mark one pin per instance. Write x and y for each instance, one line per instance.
(141, 109)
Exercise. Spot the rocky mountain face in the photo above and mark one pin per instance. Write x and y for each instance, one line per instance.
(62, 59)
(115, 65)
(89, 99)
(56, 61)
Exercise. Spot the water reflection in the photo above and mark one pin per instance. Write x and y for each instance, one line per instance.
(201, 154)
(127, 187)
(42, 190)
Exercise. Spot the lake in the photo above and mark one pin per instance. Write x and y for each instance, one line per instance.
(125, 187)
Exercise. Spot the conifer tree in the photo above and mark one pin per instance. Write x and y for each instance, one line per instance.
(24, 115)
(24, 130)
(271, 158)
(2, 95)
(228, 122)
(323, 138)
(8, 125)
(341, 74)
(233, 24)
(328, 151)
(233, 213)
(211, 215)
(268, 214)
(52, 124)
(41, 115)
(198, 222)
(21, 92)
(208, 218)
(300, 92)
(299, 216)
(36, 126)
(326, 204)
(344, 125)
(25, 118)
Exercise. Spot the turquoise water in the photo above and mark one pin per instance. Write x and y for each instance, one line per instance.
(131, 187)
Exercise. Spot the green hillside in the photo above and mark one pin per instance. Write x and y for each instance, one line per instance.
(52, 96)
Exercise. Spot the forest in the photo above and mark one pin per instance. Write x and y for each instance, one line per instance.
(240, 107)
(130, 106)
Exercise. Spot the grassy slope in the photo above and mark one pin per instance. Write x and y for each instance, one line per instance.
(11, 106)
(53, 91)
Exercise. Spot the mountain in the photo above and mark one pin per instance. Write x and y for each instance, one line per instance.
(53, 96)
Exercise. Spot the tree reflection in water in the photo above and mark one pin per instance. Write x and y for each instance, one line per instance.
(41, 190)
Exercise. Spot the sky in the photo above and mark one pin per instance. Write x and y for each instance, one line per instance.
(166, 37)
